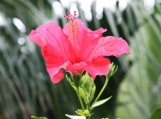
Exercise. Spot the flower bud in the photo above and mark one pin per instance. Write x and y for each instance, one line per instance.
(113, 69)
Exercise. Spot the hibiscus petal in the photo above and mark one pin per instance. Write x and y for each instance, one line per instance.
(110, 45)
(99, 66)
(54, 63)
(83, 40)
(89, 42)
(51, 33)
(77, 68)
(56, 74)
(35, 37)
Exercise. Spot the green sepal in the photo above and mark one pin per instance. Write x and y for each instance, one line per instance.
(83, 85)
(77, 88)
(100, 102)
(70, 80)
(33, 117)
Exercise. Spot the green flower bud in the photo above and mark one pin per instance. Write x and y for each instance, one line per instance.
(113, 69)
(88, 86)
(83, 113)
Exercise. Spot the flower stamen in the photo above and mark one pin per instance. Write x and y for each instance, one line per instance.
(73, 28)
(70, 16)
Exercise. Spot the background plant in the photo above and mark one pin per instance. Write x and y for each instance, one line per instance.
(26, 89)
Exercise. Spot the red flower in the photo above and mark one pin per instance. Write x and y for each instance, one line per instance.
(76, 48)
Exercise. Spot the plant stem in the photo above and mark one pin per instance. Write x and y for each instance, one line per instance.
(80, 100)
(88, 117)
(100, 93)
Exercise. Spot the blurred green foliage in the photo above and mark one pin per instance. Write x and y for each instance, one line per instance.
(26, 89)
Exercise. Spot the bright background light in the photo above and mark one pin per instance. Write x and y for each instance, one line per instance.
(86, 6)
(100, 4)
(18, 23)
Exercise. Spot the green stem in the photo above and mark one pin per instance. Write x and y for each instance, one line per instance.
(88, 117)
(100, 93)
(88, 108)
(80, 100)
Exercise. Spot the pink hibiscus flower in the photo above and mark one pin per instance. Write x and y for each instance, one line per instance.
(76, 48)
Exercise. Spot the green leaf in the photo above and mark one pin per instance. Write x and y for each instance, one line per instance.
(75, 116)
(33, 117)
(156, 114)
(98, 103)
